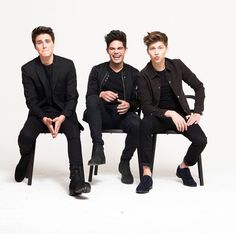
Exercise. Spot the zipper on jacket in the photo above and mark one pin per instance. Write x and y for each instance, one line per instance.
(122, 77)
(104, 80)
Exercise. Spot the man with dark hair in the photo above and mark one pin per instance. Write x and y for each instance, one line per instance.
(165, 107)
(111, 103)
(51, 95)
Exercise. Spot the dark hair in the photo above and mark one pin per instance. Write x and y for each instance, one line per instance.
(42, 30)
(154, 37)
(116, 35)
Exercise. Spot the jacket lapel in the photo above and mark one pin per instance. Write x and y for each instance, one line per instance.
(56, 71)
(42, 76)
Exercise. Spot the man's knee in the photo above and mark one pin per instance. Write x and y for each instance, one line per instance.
(200, 141)
(146, 125)
(203, 141)
(134, 123)
(25, 136)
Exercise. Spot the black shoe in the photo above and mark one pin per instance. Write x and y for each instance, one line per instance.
(21, 169)
(186, 176)
(98, 156)
(77, 184)
(126, 175)
(79, 188)
(145, 184)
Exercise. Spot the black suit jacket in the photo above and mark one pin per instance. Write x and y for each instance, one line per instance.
(37, 88)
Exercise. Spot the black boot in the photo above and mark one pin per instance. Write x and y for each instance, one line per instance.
(126, 175)
(77, 183)
(98, 156)
(21, 168)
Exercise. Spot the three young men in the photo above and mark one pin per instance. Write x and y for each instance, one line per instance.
(51, 95)
(111, 101)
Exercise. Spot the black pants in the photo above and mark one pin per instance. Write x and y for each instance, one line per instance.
(100, 116)
(70, 127)
(152, 124)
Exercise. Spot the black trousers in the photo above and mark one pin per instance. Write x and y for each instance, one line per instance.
(100, 116)
(152, 124)
(70, 127)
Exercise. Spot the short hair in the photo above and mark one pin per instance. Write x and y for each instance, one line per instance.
(42, 30)
(116, 35)
(155, 36)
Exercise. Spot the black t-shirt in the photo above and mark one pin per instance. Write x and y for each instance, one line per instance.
(48, 71)
(115, 84)
(168, 99)
(50, 106)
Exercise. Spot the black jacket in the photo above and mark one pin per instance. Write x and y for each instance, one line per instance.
(176, 72)
(37, 88)
(99, 76)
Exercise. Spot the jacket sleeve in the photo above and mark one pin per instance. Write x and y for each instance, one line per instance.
(134, 102)
(71, 91)
(146, 100)
(93, 87)
(32, 99)
(191, 79)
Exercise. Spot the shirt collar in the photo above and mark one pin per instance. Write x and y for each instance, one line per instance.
(151, 72)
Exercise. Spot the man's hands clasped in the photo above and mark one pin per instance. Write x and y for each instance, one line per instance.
(54, 124)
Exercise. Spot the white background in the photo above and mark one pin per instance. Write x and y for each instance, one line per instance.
(201, 33)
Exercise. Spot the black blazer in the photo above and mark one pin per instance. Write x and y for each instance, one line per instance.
(37, 87)
(176, 73)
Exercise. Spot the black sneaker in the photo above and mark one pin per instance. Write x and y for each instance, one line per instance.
(145, 184)
(98, 156)
(126, 175)
(186, 176)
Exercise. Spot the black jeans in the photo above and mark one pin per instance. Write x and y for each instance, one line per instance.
(70, 127)
(152, 124)
(100, 116)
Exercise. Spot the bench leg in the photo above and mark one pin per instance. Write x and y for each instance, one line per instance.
(96, 170)
(200, 172)
(90, 174)
(30, 168)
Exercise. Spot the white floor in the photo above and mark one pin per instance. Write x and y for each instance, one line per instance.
(113, 208)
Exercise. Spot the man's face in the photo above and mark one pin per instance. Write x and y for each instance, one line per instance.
(44, 45)
(157, 52)
(116, 52)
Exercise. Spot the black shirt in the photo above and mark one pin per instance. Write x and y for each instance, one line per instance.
(114, 83)
(168, 100)
(50, 106)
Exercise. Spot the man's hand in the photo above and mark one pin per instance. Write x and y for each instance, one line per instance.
(49, 123)
(194, 118)
(58, 121)
(123, 107)
(108, 96)
(178, 120)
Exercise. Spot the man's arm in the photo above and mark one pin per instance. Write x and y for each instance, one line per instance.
(31, 96)
(93, 87)
(71, 93)
(191, 79)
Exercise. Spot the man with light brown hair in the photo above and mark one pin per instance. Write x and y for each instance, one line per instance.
(165, 107)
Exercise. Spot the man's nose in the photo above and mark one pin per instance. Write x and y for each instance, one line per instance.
(156, 52)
